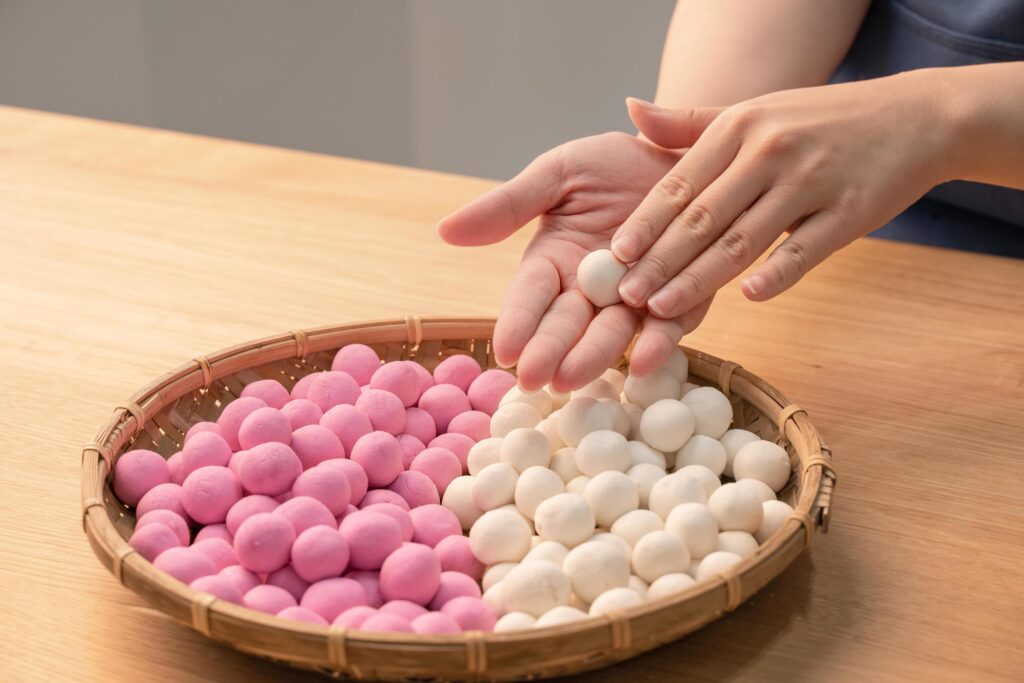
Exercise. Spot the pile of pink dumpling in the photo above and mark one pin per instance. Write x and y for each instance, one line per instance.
(322, 504)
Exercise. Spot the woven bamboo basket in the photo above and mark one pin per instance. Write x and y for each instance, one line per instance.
(158, 415)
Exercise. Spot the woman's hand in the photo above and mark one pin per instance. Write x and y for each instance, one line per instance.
(582, 191)
(829, 164)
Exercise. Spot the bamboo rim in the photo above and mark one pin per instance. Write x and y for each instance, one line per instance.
(557, 650)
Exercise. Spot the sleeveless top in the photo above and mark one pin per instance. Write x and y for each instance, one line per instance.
(900, 35)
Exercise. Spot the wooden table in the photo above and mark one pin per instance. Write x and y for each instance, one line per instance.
(128, 251)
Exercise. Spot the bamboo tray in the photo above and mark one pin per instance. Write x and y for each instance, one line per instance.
(158, 415)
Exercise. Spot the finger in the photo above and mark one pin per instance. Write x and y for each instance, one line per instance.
(508, 207)
(659, 337)
(691, 231)
(606, 339)
(810, 244)
(531, 291)
(672, 128)
(560, 328)
(728, 256)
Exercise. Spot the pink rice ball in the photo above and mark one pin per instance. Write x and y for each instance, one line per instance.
(288, 579)
(269, 468)
(432, 523)
(454, 585)
(219, 551)
(358, 360)
(459, 444)
(413, 572)
(138, 472)
(333, 388)
(385, 410)
(399, 378)
(175, 468)
(456, 556)
(301, 388)
(354, 617)
(305, 513)
(349, 509)
(269, 599)
(400, 515)
(264, 426)
(420, 424)
(234, 413)
(199, 428)
(270, 391)
(378, 496)
(243, 579)
(403, 608)
(435, 623)
(301, 412)
(459, 370)
(380, 455)
(331, 597)
(416, 488)
(314, 444)
(302, 614)
(487, 390)
(348, 424)
(358, 483)
(264, 542)
(440, 465)
(162, 497)
(471, 614)
(411, 447)
(386, 623)
(443, 402)
(206, 449)
(219, 587)
(329, 485)
(152, 540)
(246, 508)
(426, 379)
(215, 531)
(475, 424)
(319, 552)
(370, 581)
(171, 520)
(184, 564)
(209, 492)
(371, 538)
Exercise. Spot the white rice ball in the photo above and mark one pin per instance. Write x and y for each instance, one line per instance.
(667, 425)
(511, 507)
(534, 486)
(669, 584)
(711, 409)
(598, 276)
(702, 474)
(775, 514)
(758, 488)
(634, 412)
(613, 600)
(736, 508)
(535, 587)
(514, 621)
(638, 586)
(549, 551)
(593, 568)
(483, 453)
(611, 494)
(691, 571)
(499, 536)
(598, 389)
(613, 540)
(563, 463)
(524, 448)
(620, 419)
(602, 451)
(644, 476)
(560, 615)
(675, 489)
(558, 399)
(764, 461)
(678, 364)
(494, 486)
(715, 563)
(578, 485)
(640, 453)
(616, 379)
(694, 524)
(734, 440)
(686, 388)
(549, 428)
(514, 416)
(659, 553)
(495, 574)
(540, 399)
(580, 417)
(654, 386)
(458, 498)
(702, 450)
(566, 518)
(633, 526)
(739, 542)
(493, 597)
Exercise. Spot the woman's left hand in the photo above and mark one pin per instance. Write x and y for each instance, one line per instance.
(829, 164)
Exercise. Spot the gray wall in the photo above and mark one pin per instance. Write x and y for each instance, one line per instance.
(467, 86)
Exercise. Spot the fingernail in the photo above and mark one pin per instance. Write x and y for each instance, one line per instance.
(755, 284)
(660, 303)
(634, 291)
(625, 247)
(643, 103)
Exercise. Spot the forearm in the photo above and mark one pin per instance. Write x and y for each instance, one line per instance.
(720, 52)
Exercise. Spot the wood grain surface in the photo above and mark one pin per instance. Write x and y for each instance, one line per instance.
(128, 251)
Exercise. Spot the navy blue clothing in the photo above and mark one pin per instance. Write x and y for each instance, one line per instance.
(900, 35)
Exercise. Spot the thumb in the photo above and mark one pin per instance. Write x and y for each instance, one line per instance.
(508, 207)
(671, 128)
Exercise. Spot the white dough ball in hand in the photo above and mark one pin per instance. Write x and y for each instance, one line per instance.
(535, 587)
(776, 512)
(736, 509)
(613, 600)
(602, 451)
(514, 416)
(499, 536)
(734, 440)
(599, 275)
(669, 584)
(580, 417)
(611, 494)
(695, 526)
(566, 518)
(494, 486)
(711, 409)
(673, 490)
(659, 553)
(702, 450)
(523, 448)
(594, 568)
(764, 461)
(656, 385)
(667, 425)
(534, 486)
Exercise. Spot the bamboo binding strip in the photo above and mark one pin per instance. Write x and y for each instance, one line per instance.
(158, 416)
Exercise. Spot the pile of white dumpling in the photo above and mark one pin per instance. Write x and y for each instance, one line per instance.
(585, 504)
